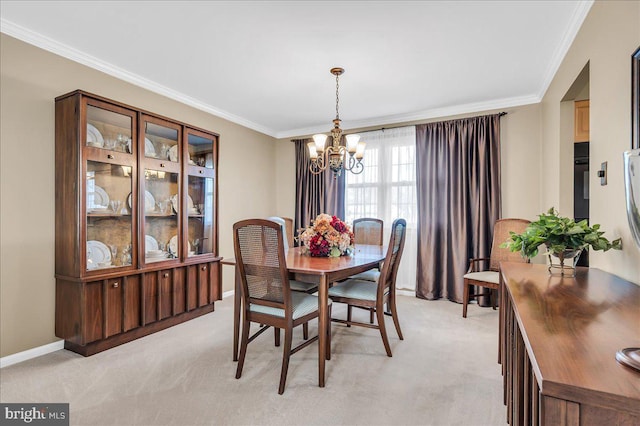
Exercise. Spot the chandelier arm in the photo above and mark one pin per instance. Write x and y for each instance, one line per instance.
(319, 165)
(357, 168)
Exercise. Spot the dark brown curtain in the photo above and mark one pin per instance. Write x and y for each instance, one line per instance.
(315, 194)
(458, 194)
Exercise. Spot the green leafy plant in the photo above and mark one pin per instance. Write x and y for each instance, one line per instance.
(559, 234)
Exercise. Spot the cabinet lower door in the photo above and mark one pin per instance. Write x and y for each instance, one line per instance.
(103, 310)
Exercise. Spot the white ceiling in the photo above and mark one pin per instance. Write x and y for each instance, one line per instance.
(265, 64)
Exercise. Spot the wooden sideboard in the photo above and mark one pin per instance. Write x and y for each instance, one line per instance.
(558, 341)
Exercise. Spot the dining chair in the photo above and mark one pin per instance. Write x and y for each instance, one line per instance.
(363, 294)
(266, 293)
(295, 285)
(488, 276)
(367, 230)
(288, 225)
(287, 230)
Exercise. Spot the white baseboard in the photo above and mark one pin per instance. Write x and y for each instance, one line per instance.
(8, 360)
(228, 293)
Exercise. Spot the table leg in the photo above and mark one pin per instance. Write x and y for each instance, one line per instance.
(323, 296)
(236, 314)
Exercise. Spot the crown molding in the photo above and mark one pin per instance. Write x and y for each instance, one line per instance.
(579, 15)
(417, 116)
(68, 52)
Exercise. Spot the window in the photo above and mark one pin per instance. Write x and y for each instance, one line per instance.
(386, 190)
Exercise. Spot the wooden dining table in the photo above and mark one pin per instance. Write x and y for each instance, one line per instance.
(321, 270)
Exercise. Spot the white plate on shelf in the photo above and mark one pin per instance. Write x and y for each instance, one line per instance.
(150, 244)
(149, 202)
(173, 153)
(173, 245)
(94, 137)
(97, 200)
(149, 150)
(98, 254)
(175, 202)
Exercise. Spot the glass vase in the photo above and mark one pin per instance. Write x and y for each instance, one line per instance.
(564, 263)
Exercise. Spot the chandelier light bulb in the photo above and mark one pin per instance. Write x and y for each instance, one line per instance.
(352, 143)
(360, 150)
(319, 140)
(313, 152)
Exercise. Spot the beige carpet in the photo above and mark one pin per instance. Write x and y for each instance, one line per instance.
(443, 373)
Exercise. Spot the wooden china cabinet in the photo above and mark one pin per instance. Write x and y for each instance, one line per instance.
(136, 222)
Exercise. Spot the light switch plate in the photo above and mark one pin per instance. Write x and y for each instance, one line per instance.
(602, 173)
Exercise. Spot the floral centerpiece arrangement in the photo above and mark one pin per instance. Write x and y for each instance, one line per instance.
(327, 236)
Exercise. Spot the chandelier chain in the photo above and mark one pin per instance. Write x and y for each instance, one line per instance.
(337, 96)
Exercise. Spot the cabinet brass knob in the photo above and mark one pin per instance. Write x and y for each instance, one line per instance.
(166, 275)
(116, 285)
(161, 164)
(109, 156)
(201, 171)
(204, 268)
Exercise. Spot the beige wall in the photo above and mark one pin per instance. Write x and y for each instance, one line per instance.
(520, 156)
(608, 37)
(30, 80)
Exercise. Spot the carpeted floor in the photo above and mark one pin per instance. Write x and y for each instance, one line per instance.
(445, 372)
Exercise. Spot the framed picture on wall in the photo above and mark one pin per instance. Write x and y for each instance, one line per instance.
(635, 99)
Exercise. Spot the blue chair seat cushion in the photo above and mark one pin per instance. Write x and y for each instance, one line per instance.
(370, 275)
(302, 286)
(303, 304)
(354, 289)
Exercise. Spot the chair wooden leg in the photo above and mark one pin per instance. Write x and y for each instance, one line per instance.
(371, 311)
(328, 357)
(286, 354)
(383, 330)
(243, 347)
(391, 304)
(465, 299)
(305, 331)
(276, 333)
(349, 314)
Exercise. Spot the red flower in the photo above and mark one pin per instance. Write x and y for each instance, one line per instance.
(338, 225)
(318, 246)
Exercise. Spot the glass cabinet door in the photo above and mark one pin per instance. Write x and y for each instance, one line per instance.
(109, 220)
(109, 130)
(201, 192)
(109, 180)
(161, 142)
(201, 149)
(200, 203)
(161, 199)
(161, 208)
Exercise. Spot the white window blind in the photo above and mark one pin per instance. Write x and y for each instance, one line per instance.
(386, 190)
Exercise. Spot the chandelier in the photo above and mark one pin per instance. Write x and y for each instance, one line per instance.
(336, 156)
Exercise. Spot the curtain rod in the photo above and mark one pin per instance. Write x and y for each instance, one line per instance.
(500, 114)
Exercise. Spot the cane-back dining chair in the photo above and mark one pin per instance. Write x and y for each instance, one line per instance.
(484, 272)
(367, 230)
(266, 294)
(287, 230)
(365, 295)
